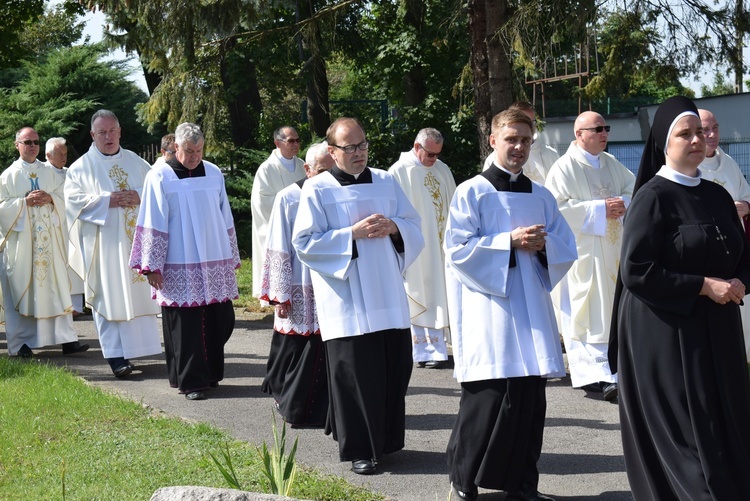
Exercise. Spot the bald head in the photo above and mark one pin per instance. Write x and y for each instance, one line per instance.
(587, 137)
(710, 131)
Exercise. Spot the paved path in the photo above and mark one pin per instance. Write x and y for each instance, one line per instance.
(582, 457)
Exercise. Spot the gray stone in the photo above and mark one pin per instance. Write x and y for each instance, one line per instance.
(192, 493)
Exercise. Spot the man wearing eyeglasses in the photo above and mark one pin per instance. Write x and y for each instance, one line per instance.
(358, 233)
(295, 372)
(281, 168)
(593, 190)
(103, 192)
(34, 274)
(429, 185)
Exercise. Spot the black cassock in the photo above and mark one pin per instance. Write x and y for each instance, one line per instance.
(684, 388)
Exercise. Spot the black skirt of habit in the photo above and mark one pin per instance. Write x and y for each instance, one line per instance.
(368, 377)
(296, 378)
(497, 439)
(194, 340)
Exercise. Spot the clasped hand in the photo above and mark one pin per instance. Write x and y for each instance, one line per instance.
(125, 198)
(530, 238)
(374, 226)
(722, 291)
(38, 197)
(615, 207)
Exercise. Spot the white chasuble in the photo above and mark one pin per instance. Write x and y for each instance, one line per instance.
(185, 231)
(580, 191)
(271, 178)
(114, 290)
(72, 234)
(430, 190)
(285, 279)
(502, 320)
(35, 245)
(365, 294)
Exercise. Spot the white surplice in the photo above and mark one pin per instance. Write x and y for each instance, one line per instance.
(116, 293)
(430, 190)
(271, 178)
(502, 321)
(366, 294)
(185, 231)
(36, 288)
(285, 279)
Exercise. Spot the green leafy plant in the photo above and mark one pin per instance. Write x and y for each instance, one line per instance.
(227, 468)
(279, 468)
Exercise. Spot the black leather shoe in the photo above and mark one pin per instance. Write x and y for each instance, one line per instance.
(74, 347)
(527, 496)
(609, 391)
(195, 395)
(592, 388)
(437, 364)
(466, 495)
(123, 370)
(25, 352)
(363, 466)
(421, 365)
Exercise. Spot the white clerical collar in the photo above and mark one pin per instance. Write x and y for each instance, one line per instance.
(592, 159)
(27, 164)
(678, 177)
(116, 155)
(415, 158)
(286, 162)
(513, 177)
(711, 163)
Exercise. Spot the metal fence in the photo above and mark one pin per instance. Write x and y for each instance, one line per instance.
(629, 153)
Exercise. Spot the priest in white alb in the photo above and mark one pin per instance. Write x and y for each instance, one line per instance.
(506, 246)
(429, 185)
(281, 168)
(56, 151)
(593, 191)
(34, 274)
(103, 192)
(358, 233)
(295, 371)
(186, 244)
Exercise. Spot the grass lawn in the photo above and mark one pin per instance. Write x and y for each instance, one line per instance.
(245, 285)
(62, 439)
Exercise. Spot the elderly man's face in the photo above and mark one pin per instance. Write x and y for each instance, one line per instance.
(429, 152)
(288, 147)
(58, 156)
(323, 163)
(711, 131)
(27, 145)
(106, 135)
(587, 136)
(189, 154)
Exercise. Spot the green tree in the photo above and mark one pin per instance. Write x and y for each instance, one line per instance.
(59, 95)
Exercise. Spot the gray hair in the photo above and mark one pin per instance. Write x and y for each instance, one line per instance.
(315, 152)
(429, 133)
(188, 133)
(103, 114)
(54, 142)
(279, 135)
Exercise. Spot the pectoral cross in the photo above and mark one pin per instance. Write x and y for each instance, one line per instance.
(721, 237)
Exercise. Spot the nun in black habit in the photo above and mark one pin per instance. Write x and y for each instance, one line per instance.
(684, 386)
